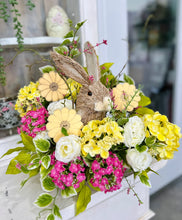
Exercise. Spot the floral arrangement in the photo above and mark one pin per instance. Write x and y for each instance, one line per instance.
(83, 128)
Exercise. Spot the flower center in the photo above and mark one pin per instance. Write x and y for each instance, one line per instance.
(53, 86)
(65, 124)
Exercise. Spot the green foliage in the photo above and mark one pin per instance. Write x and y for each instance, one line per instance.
(30, 5)
(34, 164)
(68, 192)
(80, 187)
(57, 212)
(144, 101)
(42, 145)
(69, 34)
(122, 121)
(47, 184)
(107, 78)
(28, 142)
(46, 160)
(128, 79)
(43, 200)
(44, 172)
(12, 168)
(47, 69)
(10, 151)
(2, 71)
(141, 148)
(74, 52)
(143, 111)
(150, 141)
(78, 25)
(144, 178)
(64, 131)
(50, 217)
(64, 50)
(83, 199)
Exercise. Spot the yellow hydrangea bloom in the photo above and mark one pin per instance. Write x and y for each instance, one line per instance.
(99, 136)
(74, 87)
(29, 98)
(166, 132)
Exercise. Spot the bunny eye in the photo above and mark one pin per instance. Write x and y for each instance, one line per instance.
(89, 93)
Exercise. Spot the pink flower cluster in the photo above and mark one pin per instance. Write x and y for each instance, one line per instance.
(67, 174)
(34, 122)
(107, 173)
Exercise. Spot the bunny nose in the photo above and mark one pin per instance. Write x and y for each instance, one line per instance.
(105, 105)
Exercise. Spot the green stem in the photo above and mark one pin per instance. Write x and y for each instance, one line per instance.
(130, 186)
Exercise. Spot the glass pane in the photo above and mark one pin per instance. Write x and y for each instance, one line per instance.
(151, 27)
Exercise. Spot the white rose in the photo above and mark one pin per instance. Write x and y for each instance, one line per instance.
(59, 105)
(134, 132)
(68, 148)
(138, 161)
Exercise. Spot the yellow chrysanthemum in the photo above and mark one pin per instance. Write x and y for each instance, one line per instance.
(167, 133)
(64, 118)
(29, 98)
(52, 86)
(126, 97)
(99, 136)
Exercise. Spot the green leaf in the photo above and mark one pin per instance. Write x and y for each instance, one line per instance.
(66, 42)
(43, 200)
(34, 164)
(64, 131)
(78, 25)
(145, 180)
(50, 217)
(23, 182)
(144, 101)
(105, 67)
(149, 169)
(80, 187)
(83, 199)
(128, 79)
(68, 192)
(24, 157)
(47, 184)
(57, 212)
(47, 69)
(46, 160)
(143, 111)
(34, 172)
(13, 150)
(12, 168)
(94, 188)
(42, 145)
(74, 52)
(122, 121)
(28, 142)
(44, 172)
(69, 34)
(150, 140)
(141, 148)
(62, 50)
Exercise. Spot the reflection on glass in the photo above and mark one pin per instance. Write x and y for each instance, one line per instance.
(151, 26)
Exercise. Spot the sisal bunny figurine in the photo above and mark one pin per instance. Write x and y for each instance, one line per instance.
(93, 100)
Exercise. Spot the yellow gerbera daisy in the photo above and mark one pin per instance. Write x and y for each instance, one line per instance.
(126, 96)
(64, 118)
(52, 86)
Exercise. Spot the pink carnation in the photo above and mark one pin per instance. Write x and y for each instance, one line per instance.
(34, 122)
(67, 174)
(107, 173)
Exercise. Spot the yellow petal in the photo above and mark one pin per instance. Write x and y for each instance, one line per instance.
(52, 75)
(44, 81)
(55, 96)
(45, 92)
(58, 136)
(48, 97)
(65, 113)
(47, 77)
(42, 87)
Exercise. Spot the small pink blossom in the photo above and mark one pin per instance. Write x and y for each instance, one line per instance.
(18, 166)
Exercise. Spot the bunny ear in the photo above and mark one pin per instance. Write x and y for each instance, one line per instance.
(70, 68)
(93, 67)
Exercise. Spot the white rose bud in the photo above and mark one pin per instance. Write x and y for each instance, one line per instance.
(59, 105)
(68, 148)
(134, 132)
(138, 161)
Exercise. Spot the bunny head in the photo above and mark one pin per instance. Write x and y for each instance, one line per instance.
(93, 100)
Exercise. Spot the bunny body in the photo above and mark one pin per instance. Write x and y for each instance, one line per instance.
(90, 100)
